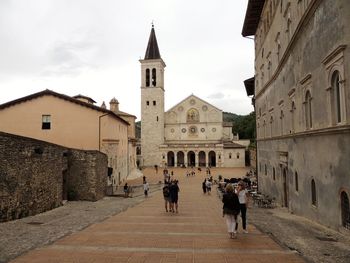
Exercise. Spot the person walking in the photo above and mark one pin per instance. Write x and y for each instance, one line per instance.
(126, 190)
(208, 186)
(230, 209)
(145, 188)
(204, 186)
(242, 193)
(174, 196)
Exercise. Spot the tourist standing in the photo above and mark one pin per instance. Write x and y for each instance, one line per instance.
(174, 196)
(145, 188)
(242, 193)
(231, 209)
(166, 195)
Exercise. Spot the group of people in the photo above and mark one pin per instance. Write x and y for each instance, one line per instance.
(235, 202)
(171, 195)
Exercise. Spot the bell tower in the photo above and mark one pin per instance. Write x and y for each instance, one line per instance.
(152, 103)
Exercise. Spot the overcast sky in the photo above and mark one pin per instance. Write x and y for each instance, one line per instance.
(93, 47)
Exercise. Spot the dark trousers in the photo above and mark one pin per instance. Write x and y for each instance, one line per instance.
(243, 209)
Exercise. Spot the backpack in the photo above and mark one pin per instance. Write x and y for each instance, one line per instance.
(166, 191)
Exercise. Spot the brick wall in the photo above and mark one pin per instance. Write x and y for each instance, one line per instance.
(32, 172)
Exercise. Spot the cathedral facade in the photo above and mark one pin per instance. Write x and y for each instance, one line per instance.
(190, 134)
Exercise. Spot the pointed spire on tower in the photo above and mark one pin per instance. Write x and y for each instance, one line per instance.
(152, 51)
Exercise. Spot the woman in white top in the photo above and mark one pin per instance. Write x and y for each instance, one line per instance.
(243, 201)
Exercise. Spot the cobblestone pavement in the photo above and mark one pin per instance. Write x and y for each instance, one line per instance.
(107, 231)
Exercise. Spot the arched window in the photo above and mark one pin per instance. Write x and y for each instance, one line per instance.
(292, 111)
(154, 77)
(313, 193)
(337, 97)
(147, 77)
(274, 174)
(271, 126)
(282, 117)
(265, 169)
(308, 110)
(296, 182)
(345, 210)
(192, 115)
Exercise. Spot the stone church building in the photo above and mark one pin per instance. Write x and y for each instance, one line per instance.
(191, 133)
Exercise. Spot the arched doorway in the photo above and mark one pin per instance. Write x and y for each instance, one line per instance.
(212, 159)
(171, 159)
(191, 158)
(180, 159)
(285, 188)
(345, 210)
(201, 158)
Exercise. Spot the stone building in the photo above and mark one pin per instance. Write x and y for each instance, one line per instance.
(302, 103)
(36, 176)
(191, 133)
(75, 122)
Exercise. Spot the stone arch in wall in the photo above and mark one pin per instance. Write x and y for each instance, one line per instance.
(171, 159)
(180, 159)
(345, 209)
(201, 159)
(212, 159)
(191, 158)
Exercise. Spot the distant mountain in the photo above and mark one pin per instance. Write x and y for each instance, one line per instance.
(244, 125)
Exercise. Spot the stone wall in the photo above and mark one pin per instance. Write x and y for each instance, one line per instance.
(87, 175)
(35, 175)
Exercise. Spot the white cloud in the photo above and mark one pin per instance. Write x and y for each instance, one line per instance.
(92, 48)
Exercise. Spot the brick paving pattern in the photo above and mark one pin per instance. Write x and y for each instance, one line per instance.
(147, 233)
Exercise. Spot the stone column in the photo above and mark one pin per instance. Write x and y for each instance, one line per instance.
(185, 159)
(206, 159)
(165, 159)
(175, 159)
(196, 164)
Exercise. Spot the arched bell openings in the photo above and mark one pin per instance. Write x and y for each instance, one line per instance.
(147, 77)
(154, 77)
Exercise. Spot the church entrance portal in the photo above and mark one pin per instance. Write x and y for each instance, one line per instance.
(171, 159)
(191, 157)
(212, 159)
(180, 159)
(201, 159)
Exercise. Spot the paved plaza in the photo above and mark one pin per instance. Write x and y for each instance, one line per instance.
(147, 233)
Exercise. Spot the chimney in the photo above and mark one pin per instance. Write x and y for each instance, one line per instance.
(114, 105)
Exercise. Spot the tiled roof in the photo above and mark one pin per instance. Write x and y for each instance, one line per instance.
(61, 96)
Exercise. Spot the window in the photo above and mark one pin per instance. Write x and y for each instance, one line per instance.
(308, 110)
(313, 193)
(237, 155)
(147, 77)
(292, 111)
(265, 169)
(296, 182)
(337, 96)
(345, 210)
(154, 80)
(147, 102)
(46, 122)
(230, 155)
(274, 174)
(157, 118)
(154, 103)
